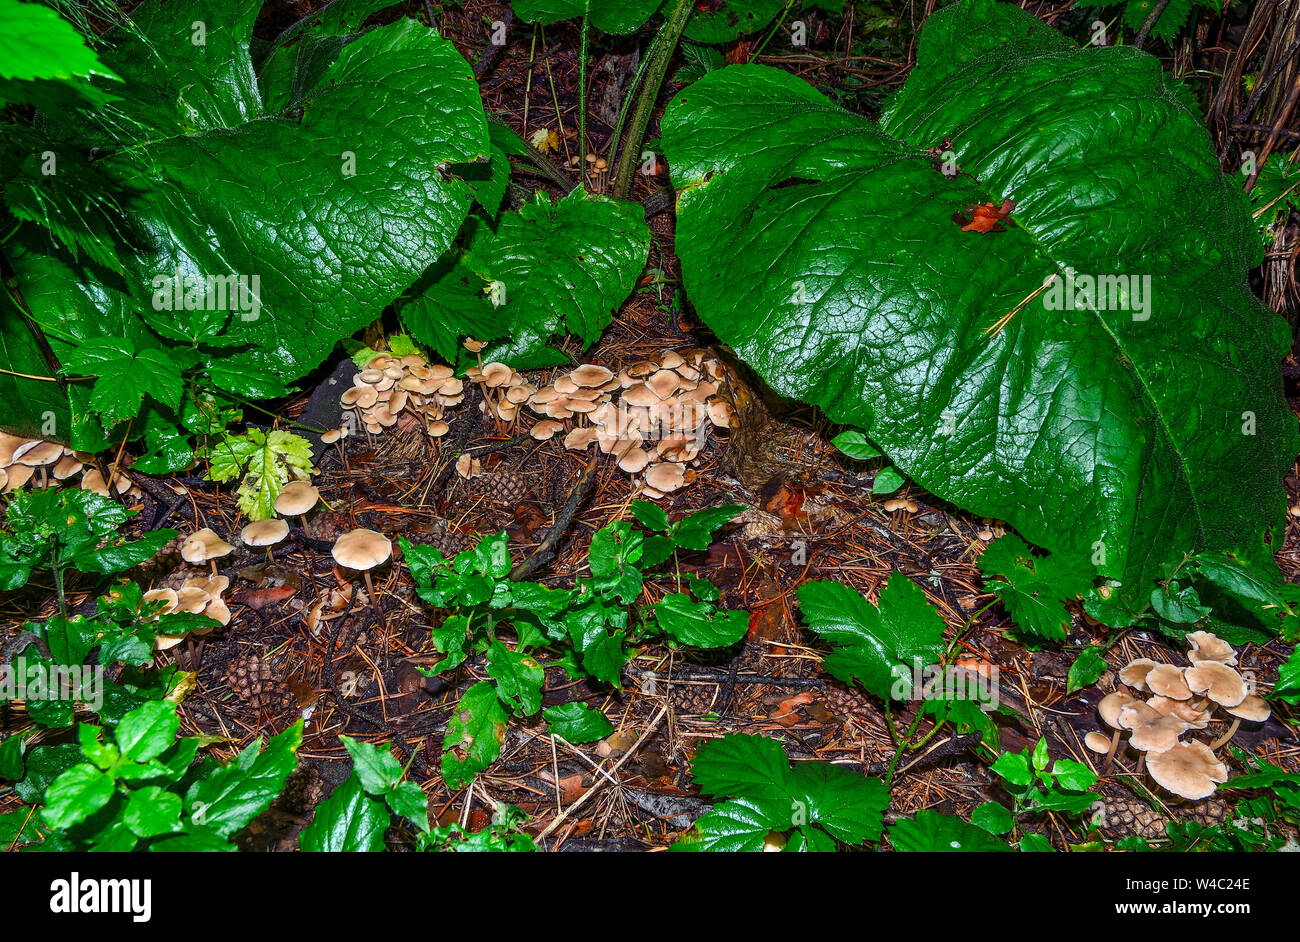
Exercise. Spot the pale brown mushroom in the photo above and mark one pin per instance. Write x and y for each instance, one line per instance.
(1217, 681)
(580, 438)
(1166, 680)
(590, 374)
(633, 460)
(666, 477)
(720, 412)
(1134, 673)
(361, 551)
(1097, 742)
(265, 533)
(1108, 709)
(1210, 647)
(1253, 710)
(545, 430)
(205, 547)
(1188, 711)
(1152, 731)
(496, 374)
(1189, 770)
(296, 499)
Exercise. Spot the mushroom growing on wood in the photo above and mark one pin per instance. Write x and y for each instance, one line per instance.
(361, 551)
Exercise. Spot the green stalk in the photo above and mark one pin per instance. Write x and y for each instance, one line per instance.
(902, 745)
(628, 95)
(670, 33)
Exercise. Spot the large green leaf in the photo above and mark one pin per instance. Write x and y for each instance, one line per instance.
(36, 44)
(330, 186)
(881, 647)
(548, 269)
(824, 250)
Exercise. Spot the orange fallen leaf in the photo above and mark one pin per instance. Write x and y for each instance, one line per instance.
(984, 217)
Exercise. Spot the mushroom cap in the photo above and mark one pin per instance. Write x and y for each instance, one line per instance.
(474, 346)
(589, 374)
(438, 428)
(1217, 681)
(192, 600)
(666, 476)
(35, 454)
(8, 445)
(167, 596)
(496, 374)
(468, 466)
(1110, 706)
(67, 466)
(1253, 709)
(1183, 709)
(720, 412)
(545, 429)
(219, 610)
(633, 460)
(1153, 731)
(264, 532)
(1209, 647)
(205, 545)
(1166, 680)
(362, 549)
(1189, 770)
(1134, 673)
(16, 475)
(1097, 742)
(640, 395)
(212, 585)
(664, 383)
(296, 498)
(580, 438)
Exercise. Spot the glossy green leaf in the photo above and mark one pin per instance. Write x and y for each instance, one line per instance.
(879, 647)
(932, 832)
(1126, 430)
(474, 735)
(576, 722)
(348, 821)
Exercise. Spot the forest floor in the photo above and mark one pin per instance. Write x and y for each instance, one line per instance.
(810, 514)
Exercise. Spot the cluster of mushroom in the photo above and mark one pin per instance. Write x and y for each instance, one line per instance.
(390, 384)
(653, 416)
(45, 463)
(201, 595)
(1181, 699)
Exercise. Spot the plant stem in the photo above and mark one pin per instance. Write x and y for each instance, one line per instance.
(902, 745)
(612, 153)
(670, 33)
(772, 32)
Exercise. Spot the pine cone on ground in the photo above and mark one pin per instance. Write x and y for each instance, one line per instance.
(253, 681)
(503, 486)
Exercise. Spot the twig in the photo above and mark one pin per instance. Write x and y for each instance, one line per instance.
(545, 552)
(1149, 23)
(600, 783)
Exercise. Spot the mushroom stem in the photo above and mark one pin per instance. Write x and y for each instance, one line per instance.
(1110, 755)
(1232, 731)
(1142, 763)
(374, 601)
(302, 518)
(213, 564)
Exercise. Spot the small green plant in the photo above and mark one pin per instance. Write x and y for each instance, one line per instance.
(935, 832)
(588, 628)
(1035, 789)
(54, 672)
(374, 797)
(138, 786)
(810, 806)
(59, 529)
(266, 461)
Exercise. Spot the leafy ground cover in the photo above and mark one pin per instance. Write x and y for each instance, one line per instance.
(925, 487)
